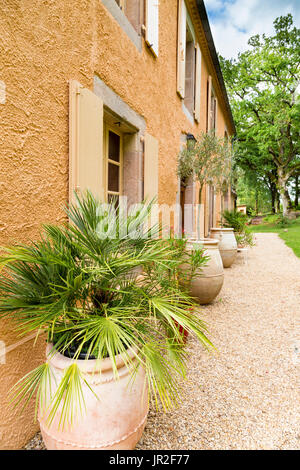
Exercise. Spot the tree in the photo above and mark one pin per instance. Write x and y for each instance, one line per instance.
(295, 188)
(253, 191)
(208, 159)
(263, 85)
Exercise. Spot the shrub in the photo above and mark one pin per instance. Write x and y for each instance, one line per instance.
(238, 221)
(244, 239)
(283, 221)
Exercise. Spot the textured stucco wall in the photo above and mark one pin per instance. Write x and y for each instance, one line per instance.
(43, 45)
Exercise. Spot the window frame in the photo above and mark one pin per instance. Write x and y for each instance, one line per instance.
(110, 128)
(189, 26)
(213, 110)
(142, 14)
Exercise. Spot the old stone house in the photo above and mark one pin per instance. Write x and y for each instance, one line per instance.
(97, 94)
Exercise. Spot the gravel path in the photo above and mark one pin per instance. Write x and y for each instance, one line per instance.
(246, 396)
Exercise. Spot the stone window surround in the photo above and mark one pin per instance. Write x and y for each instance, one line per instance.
(133, 127)
(123, 21)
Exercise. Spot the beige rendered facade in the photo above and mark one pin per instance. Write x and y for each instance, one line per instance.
(98, 94)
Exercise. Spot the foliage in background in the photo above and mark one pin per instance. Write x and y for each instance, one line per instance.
(263, 84)
(81, 287)
(238, 221)
(253, 192)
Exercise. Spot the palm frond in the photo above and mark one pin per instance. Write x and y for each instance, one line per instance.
(80, 284)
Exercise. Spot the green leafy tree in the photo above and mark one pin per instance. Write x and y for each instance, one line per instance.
(263, 84)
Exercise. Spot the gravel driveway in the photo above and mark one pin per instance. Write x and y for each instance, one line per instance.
(247, 395)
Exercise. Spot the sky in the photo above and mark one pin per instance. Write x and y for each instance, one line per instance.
(233, 22)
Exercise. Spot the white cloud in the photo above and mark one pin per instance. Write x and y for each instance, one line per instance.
(213, 4)
(233, 22)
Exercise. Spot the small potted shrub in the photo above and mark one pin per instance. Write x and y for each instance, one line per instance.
(113, 340)
(239, 221)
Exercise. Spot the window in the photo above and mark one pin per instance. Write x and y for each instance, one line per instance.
(188, 63)
(212, 105)
(135, 12)
(213, 111)
(114, 163)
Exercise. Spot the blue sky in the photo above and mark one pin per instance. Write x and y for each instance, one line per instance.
(233, 21)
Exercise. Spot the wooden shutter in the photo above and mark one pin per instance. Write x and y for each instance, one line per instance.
(198, 83)
(152, 25)
(209, 89)
(216, 115)
(86, 142)
(181, 48)
(150, 167)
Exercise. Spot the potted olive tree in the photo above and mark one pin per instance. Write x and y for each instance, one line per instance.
(239, 221)
(113, 341)
(207, 159)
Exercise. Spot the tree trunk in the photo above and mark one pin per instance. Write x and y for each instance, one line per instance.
(256, 201)
(199, 213)
(290, 204)
(273, 196)
(282, 182)
(297, 191)
(277, 203)
(285, 204)
(273, 191)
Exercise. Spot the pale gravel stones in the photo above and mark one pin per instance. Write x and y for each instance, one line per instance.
(247, 395)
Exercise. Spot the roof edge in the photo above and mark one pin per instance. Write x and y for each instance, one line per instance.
(212, 49)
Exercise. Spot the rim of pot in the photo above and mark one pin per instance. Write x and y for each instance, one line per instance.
(60, 361)
(219, 229)
(204, 241)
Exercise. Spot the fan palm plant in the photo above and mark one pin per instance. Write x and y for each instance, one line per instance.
(77, 284)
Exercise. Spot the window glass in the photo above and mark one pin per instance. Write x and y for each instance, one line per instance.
(134, 10)
(189, 99)
(114, 147)
(113, 177)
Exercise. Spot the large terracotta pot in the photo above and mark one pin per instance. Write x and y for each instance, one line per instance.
(115, 421)
(227, 244)
(208, 284)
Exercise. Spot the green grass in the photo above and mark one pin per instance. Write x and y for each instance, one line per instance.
(290, 234)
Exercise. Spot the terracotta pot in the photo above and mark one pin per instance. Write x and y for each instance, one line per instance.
(115, 421)
(227, 244)
(208, 284)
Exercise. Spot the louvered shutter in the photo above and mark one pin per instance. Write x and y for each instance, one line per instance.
(152, 25)
(198, 84)
(86, 142)
(150, 167)
(181, 48)
(216, 115)
(209, 104)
